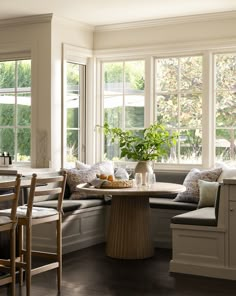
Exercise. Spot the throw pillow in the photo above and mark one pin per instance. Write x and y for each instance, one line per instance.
(207, 193)
(81, 165)
(76, 177)
(191, 183)
(227, 172)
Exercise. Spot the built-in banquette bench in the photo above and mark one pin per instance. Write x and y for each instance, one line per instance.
(204, 241)
(85, 220)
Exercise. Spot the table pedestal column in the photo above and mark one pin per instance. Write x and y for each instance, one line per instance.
(129, 228)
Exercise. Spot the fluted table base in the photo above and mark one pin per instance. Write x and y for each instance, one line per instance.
(129, 228)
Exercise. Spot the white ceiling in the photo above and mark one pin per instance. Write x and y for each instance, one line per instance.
(102, 12)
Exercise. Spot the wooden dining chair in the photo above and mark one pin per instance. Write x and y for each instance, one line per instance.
(30, 215)
(9, 193)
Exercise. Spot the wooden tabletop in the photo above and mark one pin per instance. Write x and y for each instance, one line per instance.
(156, 189)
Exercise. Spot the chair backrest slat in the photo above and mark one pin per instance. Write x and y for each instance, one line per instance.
(41, 185)
(13, 188)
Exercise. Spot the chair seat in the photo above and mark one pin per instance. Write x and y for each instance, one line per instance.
(37, 212)
(5, 220)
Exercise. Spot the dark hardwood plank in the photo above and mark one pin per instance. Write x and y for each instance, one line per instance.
(89, 272)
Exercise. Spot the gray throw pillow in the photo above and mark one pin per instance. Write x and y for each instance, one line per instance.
(207, 193)
(191, 183)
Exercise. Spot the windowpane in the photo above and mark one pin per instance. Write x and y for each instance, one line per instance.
(191, 73)
(7, 109)
(167, 110)
(225, 109)
(24, 109)
(7, 76)
(72, 79)
(134, 111)
(24, 75)
(167, 74)
(226, 72)
(72, 152)
(113, 110)
(134, 77)
(73, 116)
(225, 144)
(191, 110)
(191, 146)
(113, 78)
(7, 140)
(23, 144)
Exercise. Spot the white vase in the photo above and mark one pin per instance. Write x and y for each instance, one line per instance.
(143, 167)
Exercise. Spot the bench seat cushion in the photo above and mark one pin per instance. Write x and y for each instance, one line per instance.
(71, 205)
(168, 203)
(202, 217)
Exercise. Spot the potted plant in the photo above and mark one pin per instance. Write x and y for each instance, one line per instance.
(151, 145)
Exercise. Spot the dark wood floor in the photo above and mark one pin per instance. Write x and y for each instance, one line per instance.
(90, 273)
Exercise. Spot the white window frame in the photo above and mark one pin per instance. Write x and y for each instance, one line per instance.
(15, 57)
(167, 51)
(83, 57)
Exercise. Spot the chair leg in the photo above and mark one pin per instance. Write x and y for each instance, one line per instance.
(59, 254)
(28, 258)
(20, 240)
(13, 262)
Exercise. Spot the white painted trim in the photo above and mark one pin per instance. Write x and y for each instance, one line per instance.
(26, 20)
(167, 21)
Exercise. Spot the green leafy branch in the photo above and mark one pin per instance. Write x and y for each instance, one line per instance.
(150, 146)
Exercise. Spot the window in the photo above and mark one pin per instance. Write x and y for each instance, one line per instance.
(123, 98)
(15, 109)
(178, 105)
(225, 97)
(74, 111)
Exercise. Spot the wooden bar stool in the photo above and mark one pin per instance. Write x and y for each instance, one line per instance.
(10, 193)
(30, 215)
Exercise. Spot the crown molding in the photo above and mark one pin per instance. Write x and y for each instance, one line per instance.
(167, 21)
(168, 48)
(26, 20)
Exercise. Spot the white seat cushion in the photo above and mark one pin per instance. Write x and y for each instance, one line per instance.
(37, 212)
(4, 220)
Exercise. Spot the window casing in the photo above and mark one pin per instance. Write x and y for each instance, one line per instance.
(74, 112)
(197, 110)
(15, 109)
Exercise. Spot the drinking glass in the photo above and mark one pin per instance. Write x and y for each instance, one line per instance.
(138, 179)
(150, 179)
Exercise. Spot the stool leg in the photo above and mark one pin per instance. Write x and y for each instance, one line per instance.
(13, 262)
(59, 253)
(28, 258)
(20, 240)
